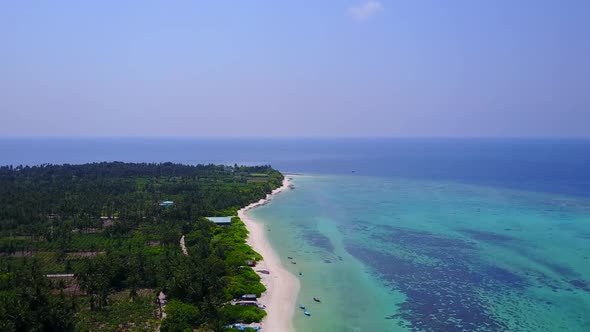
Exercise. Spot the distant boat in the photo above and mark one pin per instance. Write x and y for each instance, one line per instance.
(293, 262)
(300, 273)
(317, 299)
(301, 306)
(306, 313)
(289, 257)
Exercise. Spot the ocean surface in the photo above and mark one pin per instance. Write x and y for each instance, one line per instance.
(406, 234)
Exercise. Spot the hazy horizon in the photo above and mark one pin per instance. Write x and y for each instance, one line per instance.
(317, 137)
(400, 69)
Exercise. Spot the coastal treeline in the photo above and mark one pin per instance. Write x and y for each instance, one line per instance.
(93, 247)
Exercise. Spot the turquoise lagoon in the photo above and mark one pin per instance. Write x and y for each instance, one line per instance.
(439, 234)
(392, 254)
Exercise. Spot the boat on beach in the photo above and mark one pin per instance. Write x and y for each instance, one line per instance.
(244, 327)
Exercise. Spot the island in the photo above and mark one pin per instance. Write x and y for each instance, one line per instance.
(116, 246)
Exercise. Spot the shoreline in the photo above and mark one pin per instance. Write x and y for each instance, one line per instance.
(282, 287)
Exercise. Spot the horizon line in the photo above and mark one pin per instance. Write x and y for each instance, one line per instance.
(293, 137)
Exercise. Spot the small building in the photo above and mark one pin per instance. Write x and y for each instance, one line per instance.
(220, 221)
(245, 303)
(108, 221)
(167, 203)
(60, 275)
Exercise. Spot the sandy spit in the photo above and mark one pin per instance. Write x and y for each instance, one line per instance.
(282, 287)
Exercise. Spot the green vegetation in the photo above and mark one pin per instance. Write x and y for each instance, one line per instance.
(181, 317)
(26, 302)
(247, 314)
(103, 223)
(122, 314)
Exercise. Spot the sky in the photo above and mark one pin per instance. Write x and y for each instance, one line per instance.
(416, 68)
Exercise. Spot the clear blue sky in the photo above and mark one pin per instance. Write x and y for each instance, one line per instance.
(295, 68)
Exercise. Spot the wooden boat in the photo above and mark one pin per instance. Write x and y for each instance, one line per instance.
(317, 299)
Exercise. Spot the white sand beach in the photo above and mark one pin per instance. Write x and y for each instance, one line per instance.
(282, 286)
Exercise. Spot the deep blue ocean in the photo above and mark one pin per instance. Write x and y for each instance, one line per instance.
(405, 234)
(559, 166)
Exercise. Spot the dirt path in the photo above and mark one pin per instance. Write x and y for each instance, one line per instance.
(183, 246)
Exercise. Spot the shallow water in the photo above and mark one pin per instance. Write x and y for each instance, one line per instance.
(436, 235)
(388, 254)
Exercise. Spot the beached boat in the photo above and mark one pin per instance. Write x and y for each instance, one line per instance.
(317, 299)
(244, 327)
(306, 313)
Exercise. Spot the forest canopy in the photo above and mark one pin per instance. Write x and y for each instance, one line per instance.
(90, 247)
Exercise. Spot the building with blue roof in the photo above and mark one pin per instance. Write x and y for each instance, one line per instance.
(220, 221)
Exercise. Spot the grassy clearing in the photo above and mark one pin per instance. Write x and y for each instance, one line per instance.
(92, 242)
(49, 262)
(261, 175)
(256, 180)
(122, 314)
